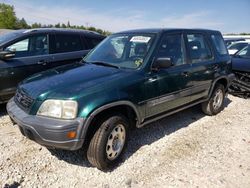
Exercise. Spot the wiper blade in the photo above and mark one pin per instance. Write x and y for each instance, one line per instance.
(83, 61)
(105, 64)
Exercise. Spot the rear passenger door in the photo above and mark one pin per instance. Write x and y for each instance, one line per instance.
(203, 63)
(66, 48)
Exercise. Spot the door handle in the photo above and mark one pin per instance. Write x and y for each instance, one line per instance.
(42, 62)
(152, 79)
(185, 73)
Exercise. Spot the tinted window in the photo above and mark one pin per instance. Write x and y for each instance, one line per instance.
(198, 48)
(92, 41)
(244, 52)
(171, 47)
(237, 46)
(67, 43)
(219, 44)
(31, 46)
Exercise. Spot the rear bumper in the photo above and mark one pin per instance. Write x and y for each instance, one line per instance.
(47, 131)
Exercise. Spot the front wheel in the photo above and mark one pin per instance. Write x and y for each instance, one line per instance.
(108, 142)
(216, 103)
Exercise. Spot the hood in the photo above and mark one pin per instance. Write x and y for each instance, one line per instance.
(70, 81)
(241, 64)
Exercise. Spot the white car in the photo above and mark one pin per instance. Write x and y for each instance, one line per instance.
(237, 46)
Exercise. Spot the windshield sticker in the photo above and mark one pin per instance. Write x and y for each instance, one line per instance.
(138, 62)
(141, 39)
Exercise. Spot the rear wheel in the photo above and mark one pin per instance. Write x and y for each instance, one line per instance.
(216, 103)
(108, 143)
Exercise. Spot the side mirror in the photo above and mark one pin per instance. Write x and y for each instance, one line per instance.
(5, 55)
(162, 63)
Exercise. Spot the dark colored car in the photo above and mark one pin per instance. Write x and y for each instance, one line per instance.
(25, 52)
(237, 46)
(130, 79)
(241, 69)
(231, 41)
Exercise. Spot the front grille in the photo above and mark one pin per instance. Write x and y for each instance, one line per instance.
(23, 100)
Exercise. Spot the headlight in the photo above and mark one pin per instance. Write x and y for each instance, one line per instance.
(63, 109)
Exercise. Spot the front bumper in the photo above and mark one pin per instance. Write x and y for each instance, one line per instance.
(47, 131)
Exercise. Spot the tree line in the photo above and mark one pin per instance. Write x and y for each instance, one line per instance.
(9, 20)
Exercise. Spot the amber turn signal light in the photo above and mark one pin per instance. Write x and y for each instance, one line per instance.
(71, 134)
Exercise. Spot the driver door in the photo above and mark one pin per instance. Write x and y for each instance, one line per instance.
(31, 56)
(169, 88)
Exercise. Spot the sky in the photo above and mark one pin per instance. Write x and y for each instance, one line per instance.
(228, 16)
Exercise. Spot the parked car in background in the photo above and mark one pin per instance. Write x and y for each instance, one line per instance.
(231, 41)
(241, 69)
(237, 46)
(131, 79)
(25, 52)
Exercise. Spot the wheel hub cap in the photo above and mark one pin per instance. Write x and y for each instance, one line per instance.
(116, 141)
(218, 99)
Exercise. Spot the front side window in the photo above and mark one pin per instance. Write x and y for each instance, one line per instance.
(31, 46)
(219, 44)
(123, 50)
(171, 47)
(198, 48)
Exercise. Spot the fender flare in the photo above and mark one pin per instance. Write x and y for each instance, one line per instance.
(215, 81)
(88, 120)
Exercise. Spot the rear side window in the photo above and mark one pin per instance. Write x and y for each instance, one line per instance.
(219, 44)
(93, 41)
(198, 48)
(67, 43)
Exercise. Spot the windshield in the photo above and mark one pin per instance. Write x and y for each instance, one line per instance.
(244, 52)
(123, 50)
(8, 36)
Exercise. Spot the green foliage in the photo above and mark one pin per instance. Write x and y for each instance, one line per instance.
(7, 16)
(8, 20)
(21, 24)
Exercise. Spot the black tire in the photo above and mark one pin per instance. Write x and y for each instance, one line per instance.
(97, 151)
(208, 107)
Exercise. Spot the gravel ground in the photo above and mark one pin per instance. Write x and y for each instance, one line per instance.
(187, 149)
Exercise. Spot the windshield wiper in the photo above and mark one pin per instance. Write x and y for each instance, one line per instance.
(104, 64)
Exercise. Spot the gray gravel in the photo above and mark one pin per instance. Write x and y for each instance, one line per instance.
(187, 149)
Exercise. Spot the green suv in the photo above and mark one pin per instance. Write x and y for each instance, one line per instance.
(130, 79)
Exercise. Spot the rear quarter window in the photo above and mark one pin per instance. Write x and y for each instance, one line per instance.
(92, 42)
(219, 44)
